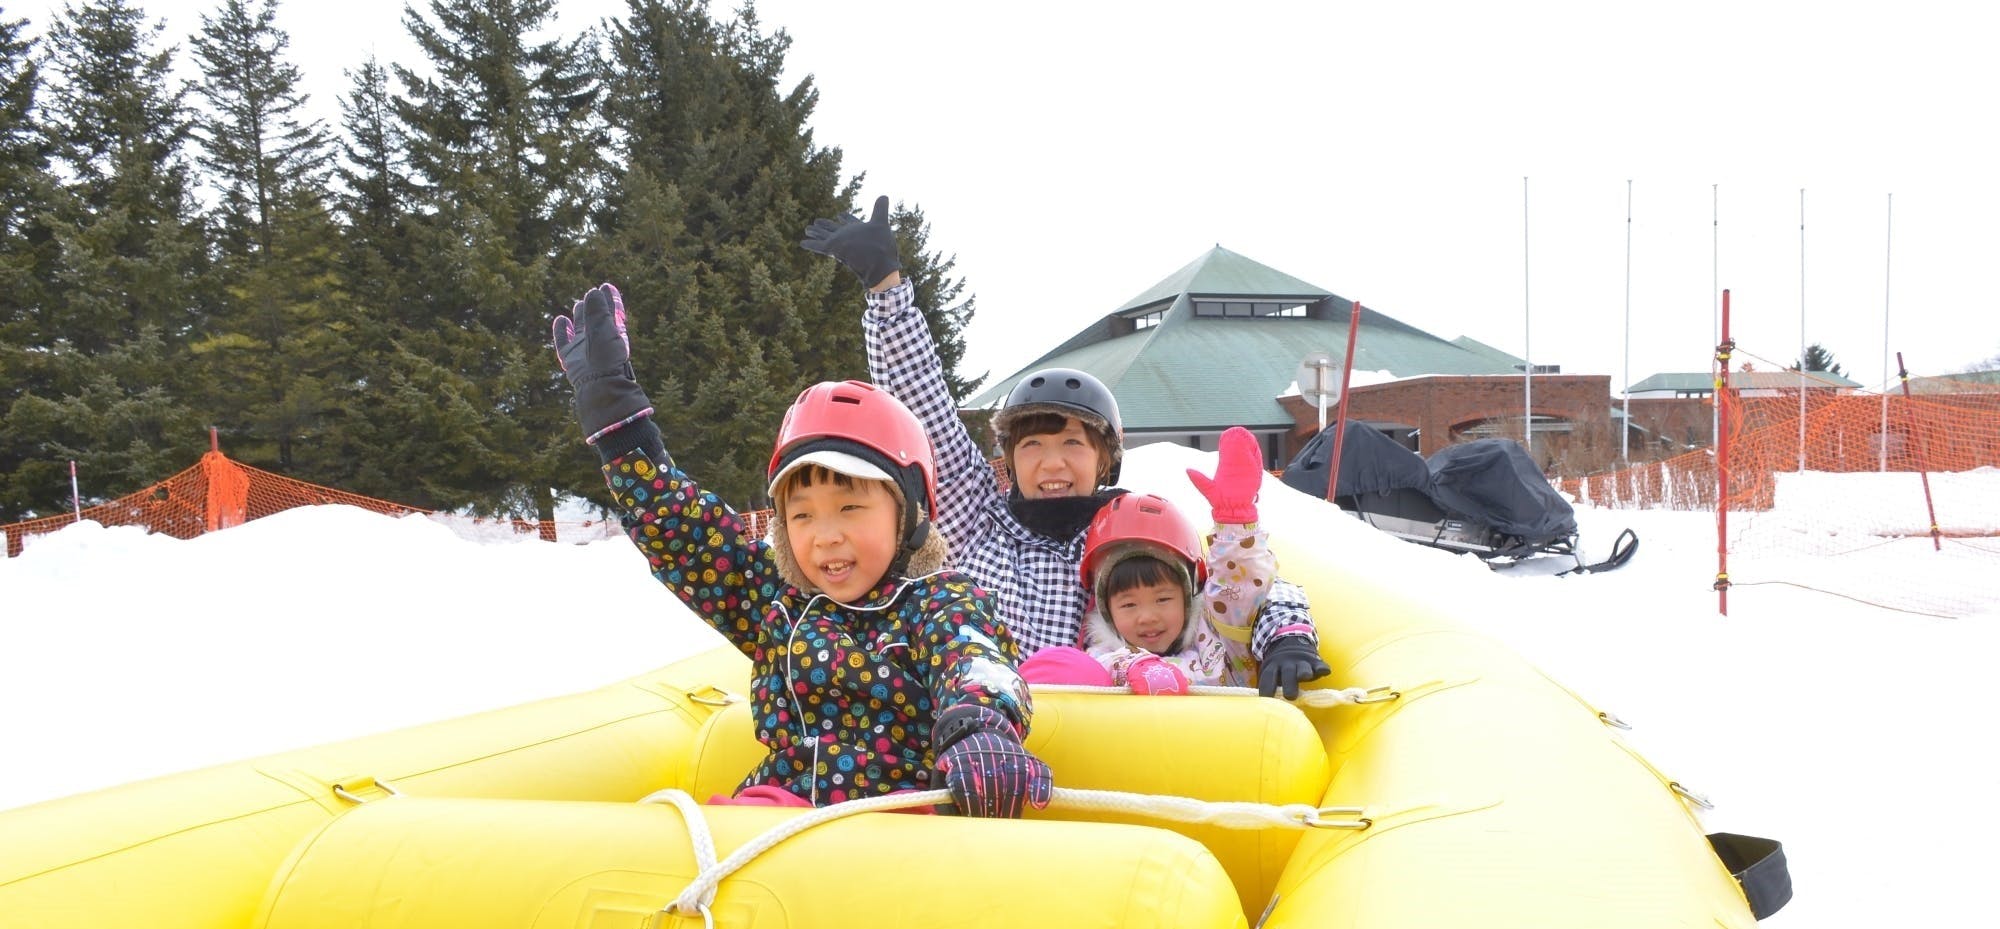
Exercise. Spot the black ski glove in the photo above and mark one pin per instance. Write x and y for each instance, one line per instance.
(1289, 661)
(867, 249)
(597, 358)
(981, 761)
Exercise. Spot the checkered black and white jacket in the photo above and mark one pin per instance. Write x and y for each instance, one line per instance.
(1035, 577)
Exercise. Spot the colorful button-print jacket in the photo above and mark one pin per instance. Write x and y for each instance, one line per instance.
(1034, 576)
(843, 694)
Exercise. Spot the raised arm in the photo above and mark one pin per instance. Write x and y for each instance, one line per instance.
(903, 360)
(686, 533)
(1282, 637)
(1240, 565)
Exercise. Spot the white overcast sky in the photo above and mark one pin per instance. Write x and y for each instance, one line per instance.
(1072, 154)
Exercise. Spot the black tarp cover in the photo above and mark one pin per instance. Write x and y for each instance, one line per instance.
(1370, 462)
(1489, 481)
(1496, 482)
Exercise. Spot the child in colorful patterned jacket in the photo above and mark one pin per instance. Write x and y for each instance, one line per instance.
(1164, 615)
(874, 670)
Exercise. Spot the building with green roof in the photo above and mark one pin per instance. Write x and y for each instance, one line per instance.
(1219, 343)
(1746, 383)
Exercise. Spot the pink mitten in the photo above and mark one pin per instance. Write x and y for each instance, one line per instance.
(1156, 676)
(1239, 472)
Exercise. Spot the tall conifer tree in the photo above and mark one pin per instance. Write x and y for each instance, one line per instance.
(375, 199)
(278, 343)
(26, 257)
(123, 301)
(503, 143)
(719, 178)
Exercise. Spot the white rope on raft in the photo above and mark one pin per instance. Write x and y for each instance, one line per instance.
(700, 893)
(1318, 697)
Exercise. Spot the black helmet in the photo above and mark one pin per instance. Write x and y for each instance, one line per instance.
(1067, 392)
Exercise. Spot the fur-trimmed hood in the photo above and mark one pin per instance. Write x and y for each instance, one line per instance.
(929, 558)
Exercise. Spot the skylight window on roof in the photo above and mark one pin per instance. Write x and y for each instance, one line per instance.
(1242, 309)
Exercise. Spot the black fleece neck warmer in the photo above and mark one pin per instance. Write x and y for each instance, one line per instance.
(1058, 518)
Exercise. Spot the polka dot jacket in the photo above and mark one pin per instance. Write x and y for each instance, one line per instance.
(843, 694)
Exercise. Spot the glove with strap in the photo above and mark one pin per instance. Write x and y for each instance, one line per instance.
(867, 249)
(1156, 676)
(1239, 474)
(1290, 660)
(596, 356)
(981, 761)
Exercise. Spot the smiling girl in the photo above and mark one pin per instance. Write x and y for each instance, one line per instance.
(1163, 615)
(875, 669)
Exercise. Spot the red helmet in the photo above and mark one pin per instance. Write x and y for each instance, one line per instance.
(863, 421)
(1141, 519)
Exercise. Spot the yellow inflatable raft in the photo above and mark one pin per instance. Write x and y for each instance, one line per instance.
(1488, 796)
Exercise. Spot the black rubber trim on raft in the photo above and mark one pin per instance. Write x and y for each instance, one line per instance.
(1758, 864)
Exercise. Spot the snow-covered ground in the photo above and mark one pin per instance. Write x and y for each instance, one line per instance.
(1846, 730)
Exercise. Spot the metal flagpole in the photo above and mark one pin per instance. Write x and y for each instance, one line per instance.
(1625, 429)
(1527, 337)
(1888, 228)
(1340, 417)
(1802, 330)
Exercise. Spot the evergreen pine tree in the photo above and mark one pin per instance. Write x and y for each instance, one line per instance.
(375, 198)
(278, 345)
(502, 144)
(719, 178)
(122, 301)
(27, 255)
(1817, 358)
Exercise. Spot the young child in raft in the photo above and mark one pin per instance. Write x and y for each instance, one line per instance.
(1163, 616)
(874, 671)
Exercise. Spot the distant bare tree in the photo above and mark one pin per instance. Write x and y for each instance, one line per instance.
(1991, 363)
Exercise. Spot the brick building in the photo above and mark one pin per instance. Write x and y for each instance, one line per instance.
(1220, 342)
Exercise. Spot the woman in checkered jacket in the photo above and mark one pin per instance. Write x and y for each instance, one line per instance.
(1062, 443)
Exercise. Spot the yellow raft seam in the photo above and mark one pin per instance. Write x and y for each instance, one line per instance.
(308, 797)
(605, 724)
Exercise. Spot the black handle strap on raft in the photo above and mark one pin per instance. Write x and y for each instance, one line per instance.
(1758, 865)
(1622, 550)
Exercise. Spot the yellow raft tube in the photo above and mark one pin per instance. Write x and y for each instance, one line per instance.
(1489, 796)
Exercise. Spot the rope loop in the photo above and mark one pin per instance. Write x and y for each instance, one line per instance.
(699, 895)
(1316, 698)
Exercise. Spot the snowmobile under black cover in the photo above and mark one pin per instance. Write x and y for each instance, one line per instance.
(1495, 482)
(1484, 497)
(1370, 463)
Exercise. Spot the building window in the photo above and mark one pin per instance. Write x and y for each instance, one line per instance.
(1149, 320)
(1243, 309)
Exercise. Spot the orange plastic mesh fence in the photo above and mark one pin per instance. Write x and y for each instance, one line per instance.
(1867, 460)
(1843, 434)
(218, 492)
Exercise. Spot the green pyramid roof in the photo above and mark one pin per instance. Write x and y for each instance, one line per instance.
(1203, 373)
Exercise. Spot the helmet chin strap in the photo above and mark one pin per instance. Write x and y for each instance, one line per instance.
(912, 544)
(917, 537)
